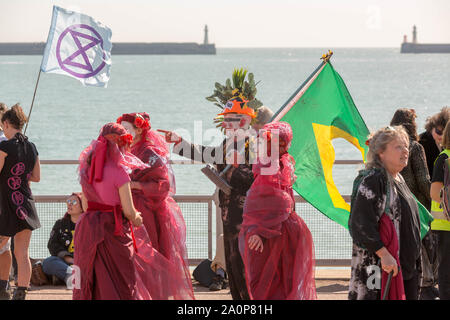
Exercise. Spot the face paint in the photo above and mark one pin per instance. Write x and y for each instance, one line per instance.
(236, 121)
(130, 128)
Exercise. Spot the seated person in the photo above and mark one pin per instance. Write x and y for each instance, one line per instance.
(60, 244)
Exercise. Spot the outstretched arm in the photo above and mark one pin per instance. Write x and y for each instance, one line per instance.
(205, 154)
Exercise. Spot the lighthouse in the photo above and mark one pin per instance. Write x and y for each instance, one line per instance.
(205, 39)
(414, 34)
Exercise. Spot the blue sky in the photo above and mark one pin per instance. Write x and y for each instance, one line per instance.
(244, 23)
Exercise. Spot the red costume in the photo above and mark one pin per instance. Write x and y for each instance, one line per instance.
(113, 262)
(284, 270)
(162, 216)
(389, 237)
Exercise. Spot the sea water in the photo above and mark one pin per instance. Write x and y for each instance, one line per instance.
(172, 88)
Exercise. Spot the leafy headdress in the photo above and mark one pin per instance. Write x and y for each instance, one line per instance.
(236, 96)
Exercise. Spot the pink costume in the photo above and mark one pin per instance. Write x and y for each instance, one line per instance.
(284, 270)
(112, 262)
(162, 216)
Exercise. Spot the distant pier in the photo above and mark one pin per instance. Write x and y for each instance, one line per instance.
(121, 48)
(415, 47)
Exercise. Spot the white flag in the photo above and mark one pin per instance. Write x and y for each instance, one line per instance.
(79, 47)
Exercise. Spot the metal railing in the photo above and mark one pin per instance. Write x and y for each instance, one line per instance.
(332, 242)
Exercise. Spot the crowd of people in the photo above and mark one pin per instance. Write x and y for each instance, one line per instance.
(403, 172)
(124, 236)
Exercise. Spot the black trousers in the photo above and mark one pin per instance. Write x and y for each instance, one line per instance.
(235, 266)
(444, 264)
(412, 287)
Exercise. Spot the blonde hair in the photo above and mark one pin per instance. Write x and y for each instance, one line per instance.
(446, 137)
(378, 142)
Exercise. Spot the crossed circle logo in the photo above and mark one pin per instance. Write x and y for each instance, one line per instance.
(14, 182)
(18, 169)
(77, 63)
(17, 198)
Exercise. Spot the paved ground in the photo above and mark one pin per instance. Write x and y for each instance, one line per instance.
(332, 284)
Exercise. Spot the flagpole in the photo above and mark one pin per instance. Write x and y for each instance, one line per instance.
(325, 57)
(32, 102)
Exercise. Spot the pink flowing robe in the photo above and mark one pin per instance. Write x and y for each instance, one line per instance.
(162, 216)
(107, 266)
(285, 268)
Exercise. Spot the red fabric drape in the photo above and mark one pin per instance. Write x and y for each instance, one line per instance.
(285, 268)
(163, 219)
(388, 236)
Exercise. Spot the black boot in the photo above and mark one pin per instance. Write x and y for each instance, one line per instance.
(20, 293)
(427, 293)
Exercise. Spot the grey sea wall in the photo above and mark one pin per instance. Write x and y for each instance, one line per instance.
(122, 48)
(424, 48)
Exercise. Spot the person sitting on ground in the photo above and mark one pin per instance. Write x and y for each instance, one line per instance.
(59, 264)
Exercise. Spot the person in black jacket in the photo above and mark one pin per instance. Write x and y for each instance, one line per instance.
(431, 141)
(60, 244)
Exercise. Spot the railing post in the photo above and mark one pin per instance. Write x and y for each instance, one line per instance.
(210, 257)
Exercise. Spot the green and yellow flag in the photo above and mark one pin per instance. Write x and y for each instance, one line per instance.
(321, 110)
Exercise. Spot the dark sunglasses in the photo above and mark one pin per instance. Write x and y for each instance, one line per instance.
(231, 119)
(72, 202)
(438, 132)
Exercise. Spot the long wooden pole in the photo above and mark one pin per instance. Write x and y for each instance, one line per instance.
(32, 102)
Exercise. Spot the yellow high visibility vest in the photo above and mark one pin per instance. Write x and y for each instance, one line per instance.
(439, 223)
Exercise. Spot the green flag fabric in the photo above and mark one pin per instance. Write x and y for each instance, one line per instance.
(425, 218)
(321, 110)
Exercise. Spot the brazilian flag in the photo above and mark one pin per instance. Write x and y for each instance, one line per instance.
(321, 110)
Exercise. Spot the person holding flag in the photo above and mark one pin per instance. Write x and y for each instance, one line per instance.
(275, 243)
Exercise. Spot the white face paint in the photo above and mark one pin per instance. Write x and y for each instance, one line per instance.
(130, 128)
(234, 121)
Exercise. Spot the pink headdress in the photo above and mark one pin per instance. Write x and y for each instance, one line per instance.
(111, 134)
(284, 131)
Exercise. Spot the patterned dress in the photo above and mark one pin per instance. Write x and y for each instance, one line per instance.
(368, 205)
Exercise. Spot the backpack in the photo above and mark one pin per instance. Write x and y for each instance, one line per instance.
(203, 273)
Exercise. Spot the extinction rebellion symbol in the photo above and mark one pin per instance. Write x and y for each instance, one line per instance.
(77, 63)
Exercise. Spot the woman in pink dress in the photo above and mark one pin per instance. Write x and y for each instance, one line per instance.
(114, 257)
(275, 243)
(152, 191)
